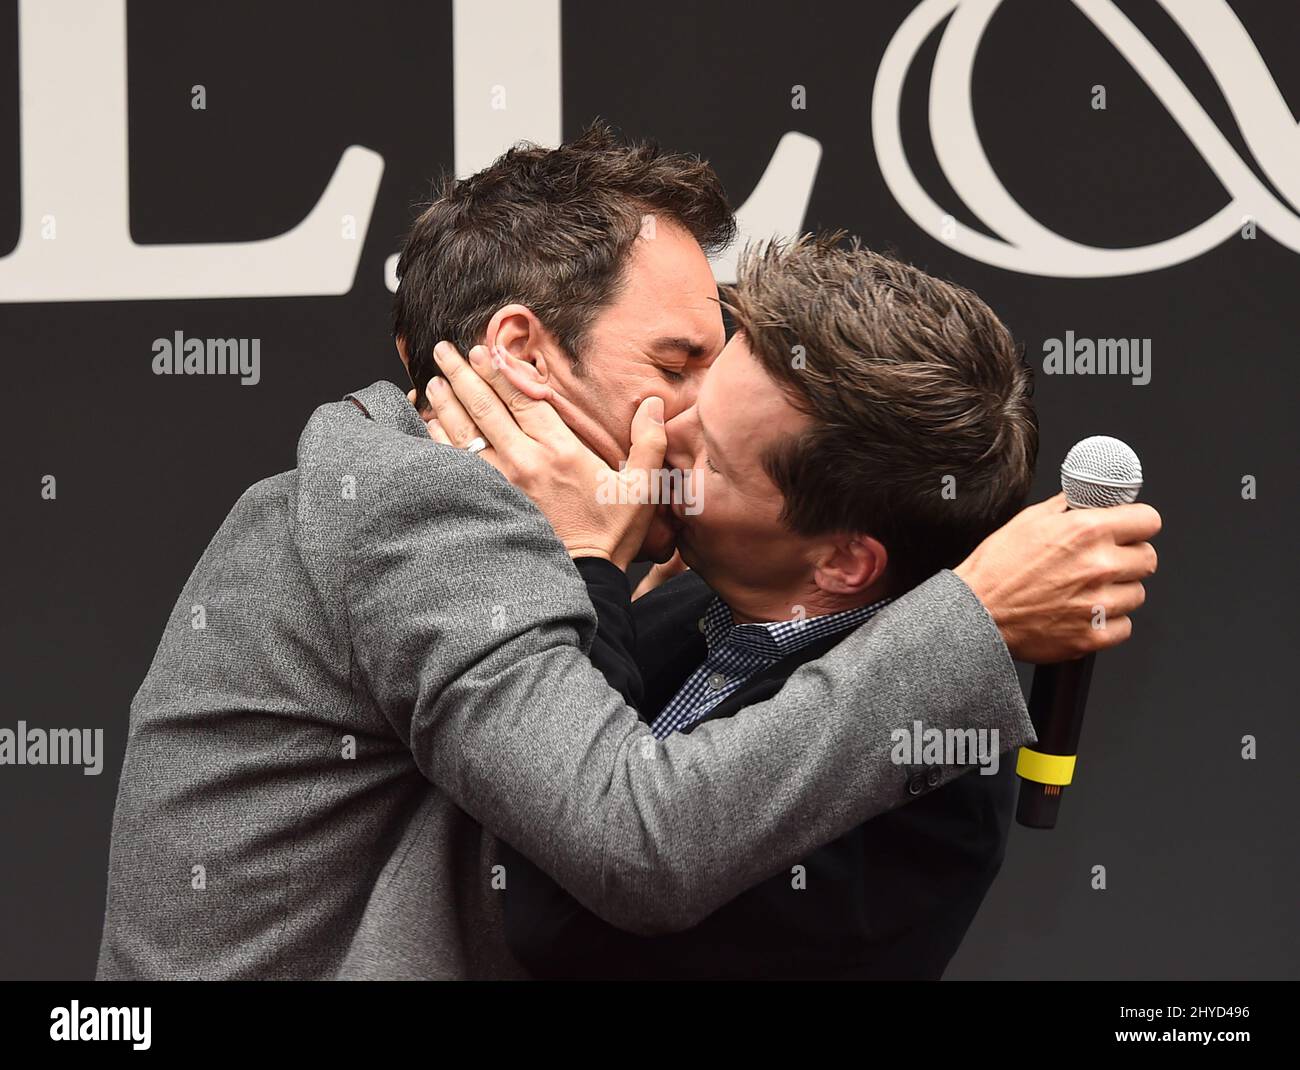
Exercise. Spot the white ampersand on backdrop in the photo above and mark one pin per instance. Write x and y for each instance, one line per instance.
(1025, 245)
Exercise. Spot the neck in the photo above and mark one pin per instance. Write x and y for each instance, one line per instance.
(757, 606)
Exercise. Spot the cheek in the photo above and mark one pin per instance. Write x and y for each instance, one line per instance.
(748, 524)
(678, 397)
(644, 381)
(614, 387)
(720, 512)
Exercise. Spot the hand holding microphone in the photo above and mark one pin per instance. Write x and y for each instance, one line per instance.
(1061, 586)
(1042, 576)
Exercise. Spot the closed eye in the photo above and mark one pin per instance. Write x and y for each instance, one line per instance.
(672, 376)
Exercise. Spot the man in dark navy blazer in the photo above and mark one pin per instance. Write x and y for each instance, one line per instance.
(856, 442)
(891, 900)
(828, 487)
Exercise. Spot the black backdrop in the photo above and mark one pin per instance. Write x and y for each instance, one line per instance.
(1198, 844)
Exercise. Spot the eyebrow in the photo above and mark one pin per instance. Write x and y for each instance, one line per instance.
(689, 346)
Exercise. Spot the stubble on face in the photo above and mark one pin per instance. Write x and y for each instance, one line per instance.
(658, 337)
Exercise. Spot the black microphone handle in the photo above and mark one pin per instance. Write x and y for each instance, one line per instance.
(1056, 703)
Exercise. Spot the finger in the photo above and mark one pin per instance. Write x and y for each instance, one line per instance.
(478, 400)
(1117, 630)
(514, 382)
(649, 440)
(426, 413)
(1121, 599)
(456, 423)
(1130, 523)
(674, 566)
(1055, 504)
(521, 375)
(438, 434)
(660, 574)
(441, 395)
(1135, 562)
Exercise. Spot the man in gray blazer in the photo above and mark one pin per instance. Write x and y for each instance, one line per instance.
(391, 637)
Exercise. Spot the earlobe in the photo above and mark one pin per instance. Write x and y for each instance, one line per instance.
(401, 352)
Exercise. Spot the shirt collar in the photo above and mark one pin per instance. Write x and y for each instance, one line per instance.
(773, 640)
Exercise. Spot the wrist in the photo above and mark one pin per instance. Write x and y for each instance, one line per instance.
(969, 574)
(578, 551)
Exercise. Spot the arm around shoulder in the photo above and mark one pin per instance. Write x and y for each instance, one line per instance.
(470, 624)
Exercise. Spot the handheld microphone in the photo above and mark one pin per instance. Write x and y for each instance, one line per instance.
(1097, 473)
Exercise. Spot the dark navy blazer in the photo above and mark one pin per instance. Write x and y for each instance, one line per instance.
(890, 900)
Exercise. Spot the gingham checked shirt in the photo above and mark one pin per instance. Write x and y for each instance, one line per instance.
(738, 651)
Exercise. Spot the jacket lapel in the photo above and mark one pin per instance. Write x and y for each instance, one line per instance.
(669, 643)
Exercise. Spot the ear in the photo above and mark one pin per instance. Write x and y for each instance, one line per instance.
(401, 352)
(849, 564)
(517, 330)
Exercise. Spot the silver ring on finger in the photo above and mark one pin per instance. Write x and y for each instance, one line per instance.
(477, 444)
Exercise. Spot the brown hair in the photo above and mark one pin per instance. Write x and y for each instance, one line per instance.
(551, 229)
(908, 379)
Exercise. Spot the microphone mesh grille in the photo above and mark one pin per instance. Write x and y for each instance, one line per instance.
(1100, 472)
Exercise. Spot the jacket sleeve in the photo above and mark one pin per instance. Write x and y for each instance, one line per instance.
(547, 930)
(470, 627)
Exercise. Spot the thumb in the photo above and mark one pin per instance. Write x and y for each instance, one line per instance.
(672, 567)
(649, 441)
(659, 574)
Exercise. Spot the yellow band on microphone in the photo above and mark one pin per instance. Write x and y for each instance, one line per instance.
(1045, 768)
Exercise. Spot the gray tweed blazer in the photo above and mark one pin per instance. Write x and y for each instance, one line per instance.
(377, 667)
